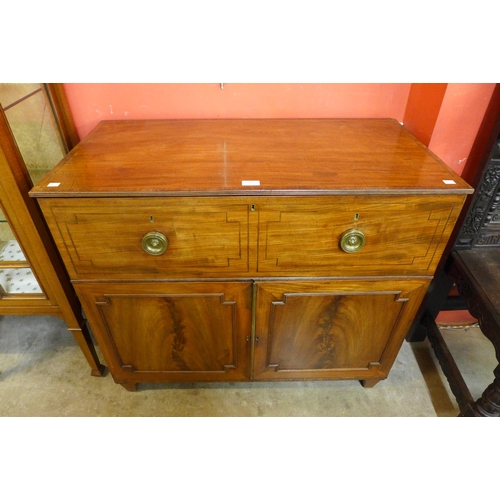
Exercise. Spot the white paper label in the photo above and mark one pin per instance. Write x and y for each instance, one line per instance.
(449, 181)
(53, 184)
(250, 183)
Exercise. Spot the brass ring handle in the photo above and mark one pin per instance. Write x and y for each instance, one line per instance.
(352, 240)
(155, 243)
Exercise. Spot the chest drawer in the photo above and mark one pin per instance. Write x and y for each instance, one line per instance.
(105, 238)
(237, 237)
(396, 235)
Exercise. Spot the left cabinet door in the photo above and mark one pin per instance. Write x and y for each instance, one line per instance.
(171, 331)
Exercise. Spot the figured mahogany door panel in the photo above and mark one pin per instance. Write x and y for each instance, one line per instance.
(334, 329)
(171, 332)
(404, 235)
(101, 238)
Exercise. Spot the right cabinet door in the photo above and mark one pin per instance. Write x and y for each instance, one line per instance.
(332, 329)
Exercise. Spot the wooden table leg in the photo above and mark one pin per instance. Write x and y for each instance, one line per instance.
(84, 340)
(488, 405)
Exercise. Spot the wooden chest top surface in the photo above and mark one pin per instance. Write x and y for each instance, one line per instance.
(249, 157)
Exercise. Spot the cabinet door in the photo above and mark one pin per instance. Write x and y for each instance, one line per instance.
(332, 329)
(30, 146)
(171, 332)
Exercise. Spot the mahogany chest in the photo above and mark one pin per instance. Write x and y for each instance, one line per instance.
(236, 250)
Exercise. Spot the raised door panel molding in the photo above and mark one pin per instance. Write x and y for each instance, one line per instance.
(331, 329)
(172, 332)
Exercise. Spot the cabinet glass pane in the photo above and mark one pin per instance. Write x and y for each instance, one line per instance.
(18, 280)
(15, 278)
(31, 120)
(10, 93)
(32, 123)
(6, 234)
(10, 250)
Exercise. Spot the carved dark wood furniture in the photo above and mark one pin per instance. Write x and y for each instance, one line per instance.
(474, 266)
(236, 250)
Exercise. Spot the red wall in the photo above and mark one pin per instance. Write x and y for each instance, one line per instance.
(422, 109)
(460, 116)
(446, 117)
(91, 103)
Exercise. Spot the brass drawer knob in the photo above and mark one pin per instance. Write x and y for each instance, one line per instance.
(352, 240)
(155, 243)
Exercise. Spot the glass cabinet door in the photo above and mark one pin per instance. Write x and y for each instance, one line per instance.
(28, 111)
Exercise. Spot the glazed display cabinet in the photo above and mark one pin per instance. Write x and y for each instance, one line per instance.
(33, 279)
(237, 250)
